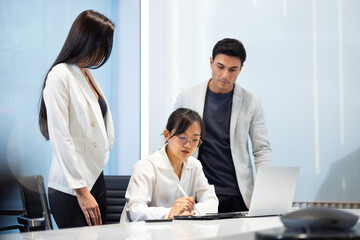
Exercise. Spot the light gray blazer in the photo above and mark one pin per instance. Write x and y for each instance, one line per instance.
(247, 119)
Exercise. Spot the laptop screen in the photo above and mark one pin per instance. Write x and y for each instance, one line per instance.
(274, 190)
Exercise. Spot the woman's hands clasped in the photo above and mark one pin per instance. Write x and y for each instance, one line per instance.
(89, 206)
(182, 206)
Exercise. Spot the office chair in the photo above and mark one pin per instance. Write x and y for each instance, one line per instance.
(115, 191)
(36, 214)
(8, 183)
(9, 214)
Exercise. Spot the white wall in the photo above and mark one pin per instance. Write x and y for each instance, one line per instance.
(302, 62)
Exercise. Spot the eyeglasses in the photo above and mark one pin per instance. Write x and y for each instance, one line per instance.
(194, 142)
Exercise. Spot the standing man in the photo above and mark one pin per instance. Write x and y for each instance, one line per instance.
(231, 114)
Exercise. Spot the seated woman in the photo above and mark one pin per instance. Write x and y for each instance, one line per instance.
(153, 191)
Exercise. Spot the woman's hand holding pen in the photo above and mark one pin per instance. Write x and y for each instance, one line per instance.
(182, 206)
(89, 206)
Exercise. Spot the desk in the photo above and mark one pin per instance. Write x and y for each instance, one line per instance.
(222, 229)
(236, 228)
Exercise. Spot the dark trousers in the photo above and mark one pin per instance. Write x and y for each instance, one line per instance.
(66, 209)
(231, 203)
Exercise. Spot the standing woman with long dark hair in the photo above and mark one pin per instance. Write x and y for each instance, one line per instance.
(75, 117)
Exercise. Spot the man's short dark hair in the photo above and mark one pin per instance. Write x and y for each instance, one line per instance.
(230, 47)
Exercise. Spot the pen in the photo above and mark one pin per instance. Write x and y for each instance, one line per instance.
(185, 195)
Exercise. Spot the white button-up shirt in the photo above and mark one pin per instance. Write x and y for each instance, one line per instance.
(153, 190)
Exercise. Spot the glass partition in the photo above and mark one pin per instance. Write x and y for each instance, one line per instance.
(302, 62)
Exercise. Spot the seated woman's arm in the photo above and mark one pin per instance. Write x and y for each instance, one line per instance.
(139, 194)
(206, 199)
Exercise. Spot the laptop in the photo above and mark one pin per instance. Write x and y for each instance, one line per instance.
(273, 195)
(273, 191)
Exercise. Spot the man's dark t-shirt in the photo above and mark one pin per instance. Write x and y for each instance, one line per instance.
(214, 153)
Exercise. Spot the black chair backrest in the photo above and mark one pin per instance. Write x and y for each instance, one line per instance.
(34, 199)
(115, 190)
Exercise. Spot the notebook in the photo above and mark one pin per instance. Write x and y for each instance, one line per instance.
(273, 195)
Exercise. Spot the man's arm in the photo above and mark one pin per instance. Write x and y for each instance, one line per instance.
(259, 137)
(179, 101)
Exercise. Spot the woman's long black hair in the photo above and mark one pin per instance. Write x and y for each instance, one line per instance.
(88, 44)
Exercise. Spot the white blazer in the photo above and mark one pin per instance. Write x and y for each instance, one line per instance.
(152, 189)
(247, 119)
(80, 138)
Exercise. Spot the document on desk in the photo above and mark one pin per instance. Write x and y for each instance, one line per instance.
(211, 216)
(217, 216)
(159, 220)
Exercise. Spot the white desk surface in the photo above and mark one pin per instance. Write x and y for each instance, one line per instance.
(185, 229)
